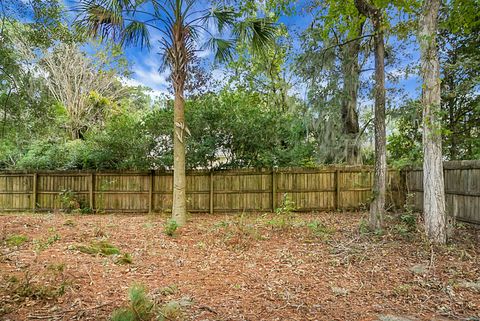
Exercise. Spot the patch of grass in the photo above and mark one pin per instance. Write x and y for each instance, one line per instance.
(99, 232)
(168, 290)
(364, 227)
(284, 215)
(402, 290)
(16, 240)
(101, 248)
(170, 227)
(22, 288)
(43, 244)
(239, 234)
(171, 311)
(126, 258)
(142, 308)
(69, 223)
(319, 229)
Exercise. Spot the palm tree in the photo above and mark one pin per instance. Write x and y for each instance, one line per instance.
(179, 24)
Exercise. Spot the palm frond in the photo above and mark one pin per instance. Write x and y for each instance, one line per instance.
(136, 33)
(222, 48)
(263, 35)
(101, 20)
(257, 33)
(221, 17)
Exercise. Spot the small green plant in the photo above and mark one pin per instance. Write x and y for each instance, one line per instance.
(16, 240)
(43, 244)
(140, 307)
(287, 207)
(168, 290)
(170, 227)
(284, 215)
(103, 248)
(24, 287)
(319, 229)
(126, 258)
(99, 232)
(364, 227)
(70, 203)
(69, 223)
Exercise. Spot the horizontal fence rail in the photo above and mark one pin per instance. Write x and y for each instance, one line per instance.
(462, 189)
(326, 188)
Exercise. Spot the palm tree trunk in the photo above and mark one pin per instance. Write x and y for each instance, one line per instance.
(433, 181)
(179, 209)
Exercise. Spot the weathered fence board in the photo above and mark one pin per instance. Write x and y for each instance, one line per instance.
(207, 191)
(335, 187)
(462, 189)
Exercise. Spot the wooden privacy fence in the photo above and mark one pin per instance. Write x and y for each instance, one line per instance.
(207, 191)
(462, 189)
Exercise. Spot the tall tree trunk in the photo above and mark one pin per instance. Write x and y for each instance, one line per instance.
(433, 182)
(179, 210)
(351, 81)
(377, 206)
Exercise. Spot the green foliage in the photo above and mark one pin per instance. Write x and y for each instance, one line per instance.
(364, 227)
(319, 229)
(405, 142)
(284, 215)
(140, 307)
(101, 248)
(44, 243)
(287, 206)
(24, 288)
(170, 227)
(16, 239)
(126, 258)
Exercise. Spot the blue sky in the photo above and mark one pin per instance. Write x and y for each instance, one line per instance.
(145, 63)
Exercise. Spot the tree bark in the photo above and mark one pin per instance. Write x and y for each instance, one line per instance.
(179, 209)
(351, 81)
(433, 181)
(179, 59)
(377, 206)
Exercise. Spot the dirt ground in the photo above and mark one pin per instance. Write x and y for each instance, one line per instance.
(315, 266)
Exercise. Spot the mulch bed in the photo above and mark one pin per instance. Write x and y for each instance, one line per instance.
(318, 266)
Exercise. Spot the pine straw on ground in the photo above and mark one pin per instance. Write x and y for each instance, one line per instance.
(316, 266)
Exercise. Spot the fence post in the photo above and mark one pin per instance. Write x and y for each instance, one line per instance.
(337, 189)
(34, 191)
(91, 192)
(211, 192)
(274, 189)
(151, 187)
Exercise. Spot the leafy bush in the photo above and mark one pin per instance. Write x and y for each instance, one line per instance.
(70, 203)
(170, 227)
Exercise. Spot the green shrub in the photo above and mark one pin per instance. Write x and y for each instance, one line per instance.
(70, 203)
(170, 227)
